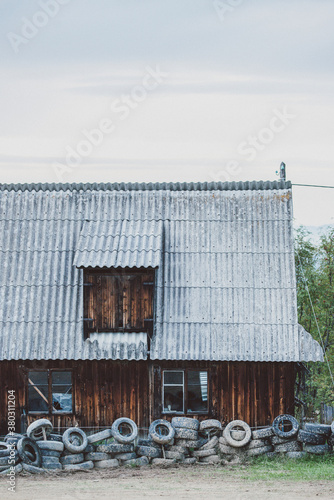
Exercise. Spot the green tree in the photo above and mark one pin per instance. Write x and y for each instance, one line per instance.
(315, 287)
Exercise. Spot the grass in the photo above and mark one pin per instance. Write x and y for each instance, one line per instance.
(310, 468)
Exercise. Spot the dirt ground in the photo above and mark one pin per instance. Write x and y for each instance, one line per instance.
(204, 483)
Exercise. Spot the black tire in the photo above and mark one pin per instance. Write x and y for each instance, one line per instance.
(50, 453)
(212, 443)
(210, 425)
(17, 469)
(186, 423)
(287, 447)
(176, 455)
(35, 430)
(277, 440)
(232, 442)
(266, 432)
(27, 444)
(121, 438)
(156, 435)
(51, 446)
(256, 452)
(53, 467)
(296, 454)
(280, 420)
(163, 462)
(148, 451)
(96, 456)
(310, 437)
(76, 458)
(75, 433)
(257, 443)
(32, 469)
(107, 464)
(323, 429)
(183, 433)
(5, 449)
(99, 436)
(13, 438)
(125, 456)
(55, 437)
(147, 442)
(204, 453)
(49, 460)
(79, 467)
(138, 462)
(115, 448)
(318, 449)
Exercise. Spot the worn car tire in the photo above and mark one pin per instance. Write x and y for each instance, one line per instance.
(323, 429)
(212, 443)
(225, 449)
(290, 446)
(35, 429)
(56, 437)
(96, 456)
(212, 459)
(50, 453)
(277, 440)
(233, 442)
(163, 462)
(111, 463)
(204, 453)
(78, 467)
(255, 452)
(32, 469)
(115, 448)
(99, 436)
(5, 449)
(17, 469)
(186, 423)
(266, 432)
(182, 433)
(126, 456)
(76, 458)
(190, 461)
(257, 443)
(296, 454)
(51, 446)
(72, 434)
(210, 425)
(121, 438)
(285, 434)
(157, 437)
(148, 451)
(137, 461)
(27, 444)
(318, 449)
(190, 443)
(310, 437)
(50, 460)
(179, 457)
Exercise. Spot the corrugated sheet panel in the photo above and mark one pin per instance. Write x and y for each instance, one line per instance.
(123, 243)
(225, 284)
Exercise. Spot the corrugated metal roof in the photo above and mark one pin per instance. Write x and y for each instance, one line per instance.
(123, 243)
(225, 286)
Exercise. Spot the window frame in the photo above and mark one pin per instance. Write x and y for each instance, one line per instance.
(185, 391)
(90, 325)
(49, 372)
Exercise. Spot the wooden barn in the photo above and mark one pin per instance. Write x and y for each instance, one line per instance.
(148, 301)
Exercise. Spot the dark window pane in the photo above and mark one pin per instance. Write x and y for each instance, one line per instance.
(38, 392)
(197, 391)
(173, 377)
(173, 398)
(62, 391)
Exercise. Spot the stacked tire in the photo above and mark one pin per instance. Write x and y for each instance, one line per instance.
(286, 428)
(162, 433)
(75, 443)
(316, 438)
(208, 452)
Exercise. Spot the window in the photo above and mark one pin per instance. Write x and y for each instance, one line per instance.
(118, 300)
(185, 391)
(50, 391)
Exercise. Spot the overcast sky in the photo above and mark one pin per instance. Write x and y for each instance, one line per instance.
(177, 90)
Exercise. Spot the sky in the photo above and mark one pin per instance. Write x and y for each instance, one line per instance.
(177, 90)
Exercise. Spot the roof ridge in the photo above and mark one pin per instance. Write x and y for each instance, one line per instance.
(150, 186)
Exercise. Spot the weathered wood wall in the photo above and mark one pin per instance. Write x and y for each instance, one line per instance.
(106, 390)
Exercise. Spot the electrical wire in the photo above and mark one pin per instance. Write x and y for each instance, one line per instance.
(315, 317)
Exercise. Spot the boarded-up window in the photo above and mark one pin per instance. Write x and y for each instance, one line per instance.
(118, 300)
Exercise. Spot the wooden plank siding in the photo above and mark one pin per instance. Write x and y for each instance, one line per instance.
(106, 390)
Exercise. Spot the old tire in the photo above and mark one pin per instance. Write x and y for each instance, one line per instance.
(212, 443)
(310, 437)
(126, 456)
(96, 456)
(323, 429)
(137, 461)
(121, 438)
(163, 462)
(111, 463)
(115, 448)
(291, 446)
(50, 453)
(51, 446)
(155, 431)
(26, 444)
(266, 432)
(210, 425)
(76, 458)
(277, 440)
(182, 433)
(32, 469)
(317, 449)
(296, 454)
(5, 449)
(99, 436)
(280, 420)
(35, 430)
(72, 435)
(258, 443)
(176, 455)
(185, 423)
(149, 451)
(256, 452)
(204, 453)
(233, 442)
(79, 467)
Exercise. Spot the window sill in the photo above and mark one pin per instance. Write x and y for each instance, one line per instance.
(188, 414)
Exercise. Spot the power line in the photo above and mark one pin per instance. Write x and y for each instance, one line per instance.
(314, 186)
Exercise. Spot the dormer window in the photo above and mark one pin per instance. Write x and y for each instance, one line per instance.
(118, 300)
